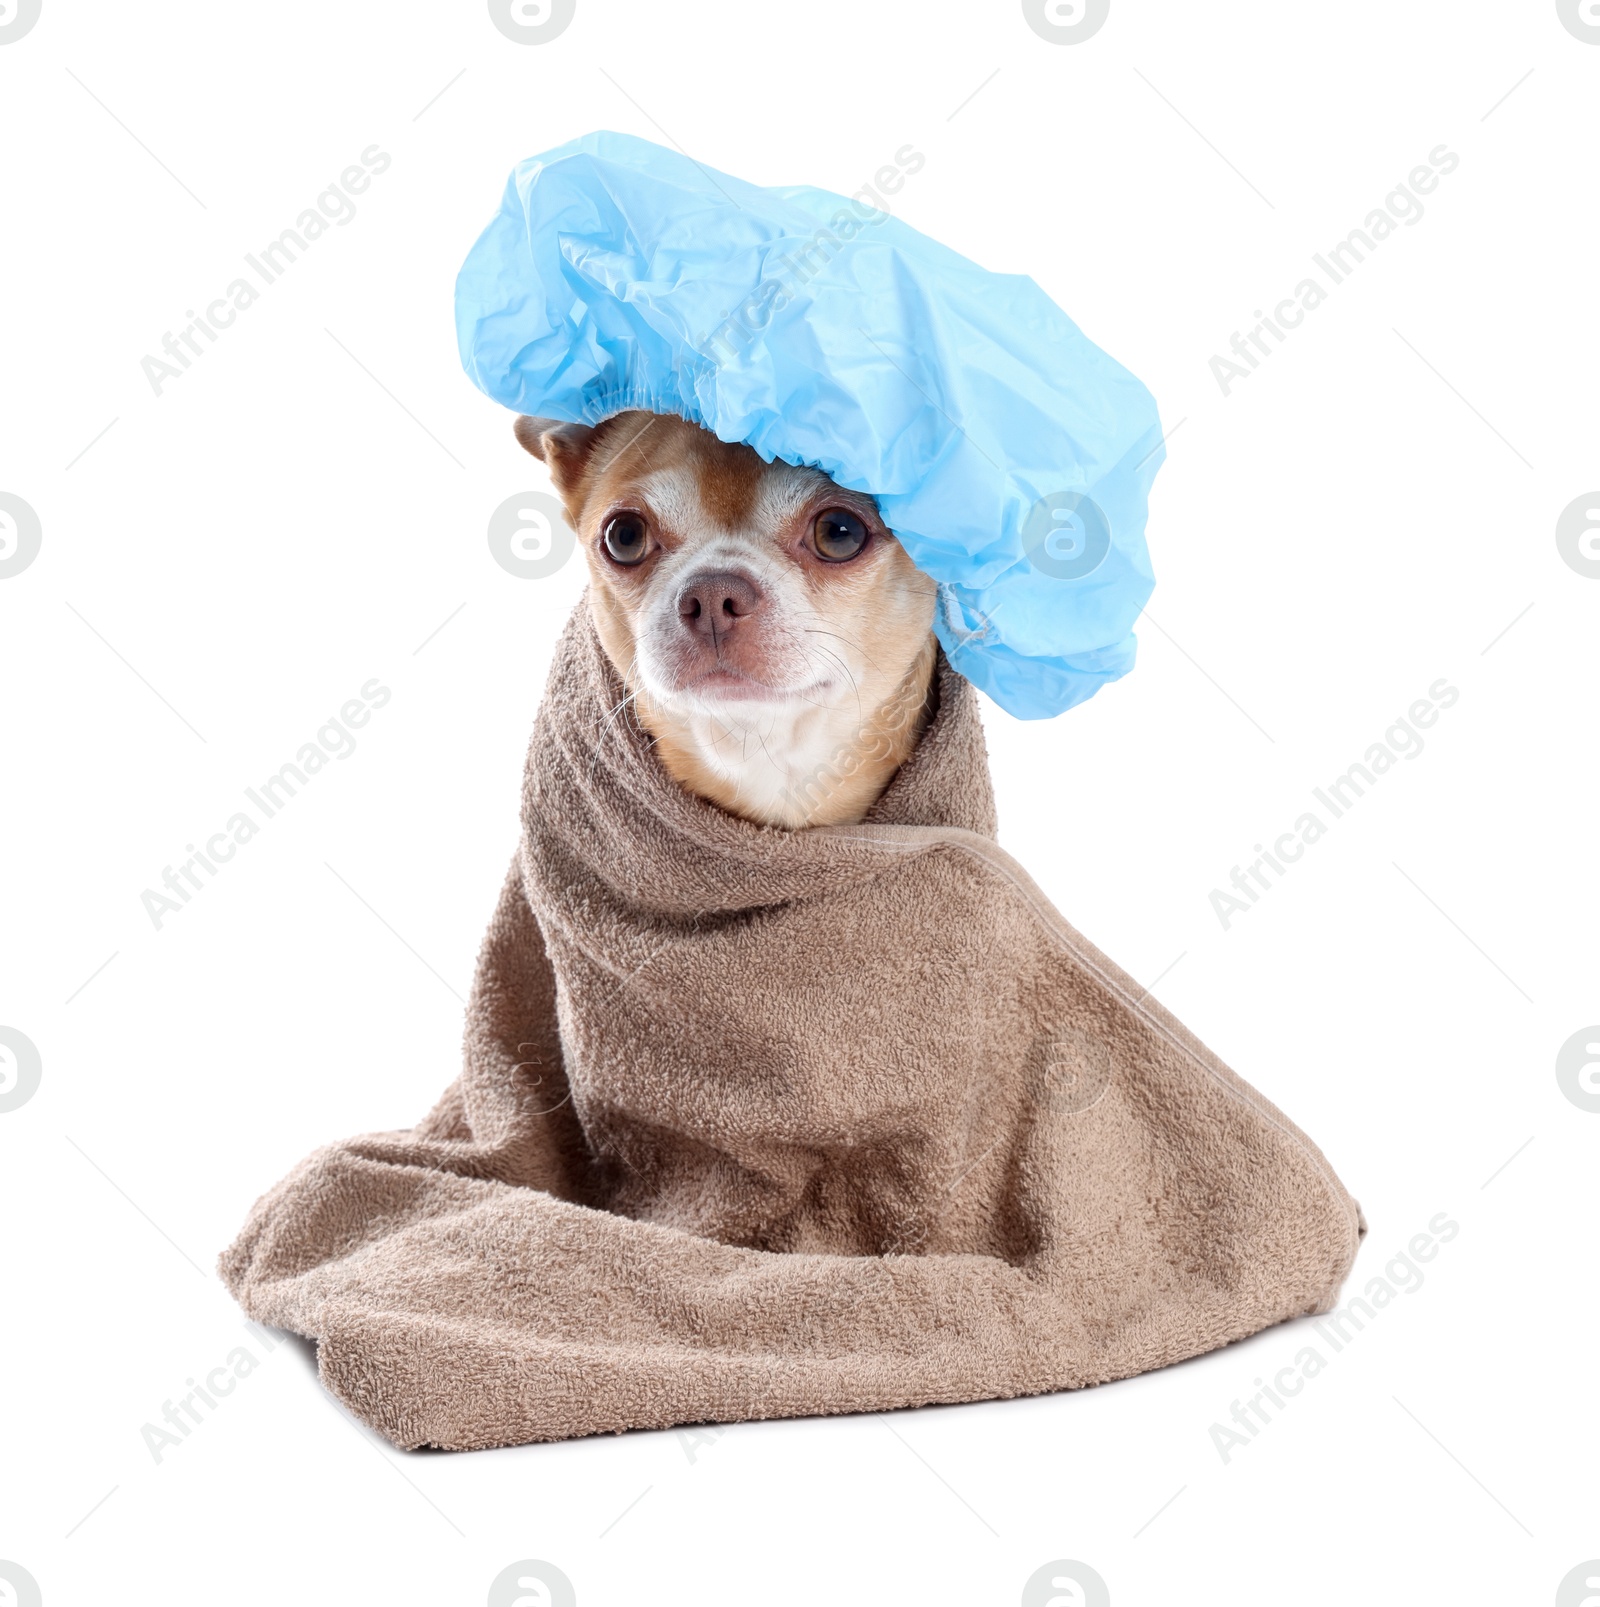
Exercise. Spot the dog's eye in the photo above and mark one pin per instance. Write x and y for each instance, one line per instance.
(838, 535)
(626, 538)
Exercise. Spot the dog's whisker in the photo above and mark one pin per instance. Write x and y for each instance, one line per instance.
(626, 704)
(816, 630)
(848, 675)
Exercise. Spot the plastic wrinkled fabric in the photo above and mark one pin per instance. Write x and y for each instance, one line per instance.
(1011, 456)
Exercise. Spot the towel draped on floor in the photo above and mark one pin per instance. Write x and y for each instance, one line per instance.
(757, 1123)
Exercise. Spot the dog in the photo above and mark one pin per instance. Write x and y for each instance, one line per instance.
(772, 635)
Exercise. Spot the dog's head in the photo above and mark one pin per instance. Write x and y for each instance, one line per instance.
(740, 600)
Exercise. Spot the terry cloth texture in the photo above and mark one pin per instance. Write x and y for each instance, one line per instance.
(758, 1123)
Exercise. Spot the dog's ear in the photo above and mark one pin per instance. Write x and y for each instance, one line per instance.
(564, 449)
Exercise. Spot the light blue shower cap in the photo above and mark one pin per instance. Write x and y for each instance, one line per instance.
(1010, 455)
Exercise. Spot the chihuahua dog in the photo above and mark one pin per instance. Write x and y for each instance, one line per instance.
(772, 634)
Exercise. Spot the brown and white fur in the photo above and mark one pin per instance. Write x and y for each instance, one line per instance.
(783, 686)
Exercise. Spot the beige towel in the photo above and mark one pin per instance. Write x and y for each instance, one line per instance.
(758, 1123)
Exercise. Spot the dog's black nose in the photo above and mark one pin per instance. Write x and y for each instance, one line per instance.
(713, 603)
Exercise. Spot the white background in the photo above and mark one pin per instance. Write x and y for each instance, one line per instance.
(305, 509)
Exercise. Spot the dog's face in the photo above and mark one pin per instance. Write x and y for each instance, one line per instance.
(758, 611)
